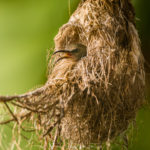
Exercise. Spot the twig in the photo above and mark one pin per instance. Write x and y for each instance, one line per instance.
(26, 95)
(36, 109)
(10, 120)
(55, 139)
(53, 126)
(7, 98)
(7, 121)
(26, 107)
(15, 118)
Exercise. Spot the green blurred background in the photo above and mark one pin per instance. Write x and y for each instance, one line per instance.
(27, 29)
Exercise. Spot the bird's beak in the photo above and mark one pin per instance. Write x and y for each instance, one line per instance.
(68, 54)
(62, 51)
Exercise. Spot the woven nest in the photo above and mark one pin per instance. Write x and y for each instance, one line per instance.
(96, 98)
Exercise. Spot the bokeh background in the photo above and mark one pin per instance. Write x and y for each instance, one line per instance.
(27, 29)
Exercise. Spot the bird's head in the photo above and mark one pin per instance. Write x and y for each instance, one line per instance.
(73, 52)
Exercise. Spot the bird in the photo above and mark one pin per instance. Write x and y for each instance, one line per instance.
(73, 52)
(66, 59)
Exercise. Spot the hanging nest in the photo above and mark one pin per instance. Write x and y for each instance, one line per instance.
(92, 100)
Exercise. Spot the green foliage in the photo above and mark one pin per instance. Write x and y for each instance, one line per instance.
(27, 29)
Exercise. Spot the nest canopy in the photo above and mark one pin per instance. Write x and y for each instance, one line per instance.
(107, 86)
(96, 98)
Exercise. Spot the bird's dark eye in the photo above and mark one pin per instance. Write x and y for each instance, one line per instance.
(75, 50)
